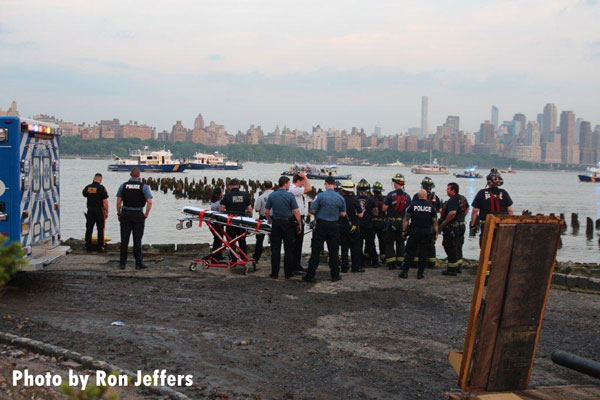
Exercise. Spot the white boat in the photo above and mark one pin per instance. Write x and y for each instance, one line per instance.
(395, 164)
(212, 161)
(150, 161)
(433, 168)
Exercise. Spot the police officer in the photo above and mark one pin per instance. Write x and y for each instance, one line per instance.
(422, 231)
(236, 202)
(490, 200)
(328, 207)
(97, 211)
(279, 209)
(132, 196)
(395, 204)
(259, 206)
(350, 230)
(367, 233)
(434, 200)
(378, 218)
(451, 211)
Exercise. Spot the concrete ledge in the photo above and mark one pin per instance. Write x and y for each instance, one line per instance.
(577, 283)
(85, 361)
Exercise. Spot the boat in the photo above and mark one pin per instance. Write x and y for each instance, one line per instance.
(213, 161)
(433, 168)
(395, 164)
(148, 161)
(509, 170)
(314, 173)
(470, 173)
(592, 175)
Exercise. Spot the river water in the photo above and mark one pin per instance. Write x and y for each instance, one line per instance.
(538, 191)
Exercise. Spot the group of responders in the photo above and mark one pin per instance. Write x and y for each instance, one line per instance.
(157, 378)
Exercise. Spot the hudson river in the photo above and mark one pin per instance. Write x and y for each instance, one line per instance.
(538, 191)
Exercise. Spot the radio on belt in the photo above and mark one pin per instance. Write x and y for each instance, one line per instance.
(30, 188)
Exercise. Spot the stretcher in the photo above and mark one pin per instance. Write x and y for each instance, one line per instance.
(217, 222)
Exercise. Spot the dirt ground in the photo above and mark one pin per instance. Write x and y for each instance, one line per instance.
(370, 336)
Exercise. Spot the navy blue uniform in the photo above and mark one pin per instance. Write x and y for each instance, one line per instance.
(95, 194)
(491, 201)
(350, 234)
(420, 234)
(282, 204)
(435, 201)
(378, 224)
(236, 202)
(134, 195)
(397, 201)
(367, 231)
(327, 207)
(464, 207)
(451, 231)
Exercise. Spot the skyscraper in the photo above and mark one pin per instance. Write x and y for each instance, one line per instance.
(377, 131)
(495, 116)
(520, 122)
(567, 137)
(199, 122)
(453, 121)
(424, 115)
(549, 122)
(586, 151)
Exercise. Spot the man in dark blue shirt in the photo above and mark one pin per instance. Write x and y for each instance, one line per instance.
(327, 207)
(350, 238)
(236, 202)
(395, 204)
(490, 200)
(280, 208)
(433, 199)
(97, 212)
(367, 233)
(451, 212)
(421, 232)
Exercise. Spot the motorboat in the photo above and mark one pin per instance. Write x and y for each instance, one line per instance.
(212, 161)
(432, 168)
(317, 173)
(508, 171)
(148, 161)
(592, 175)
(470, 173)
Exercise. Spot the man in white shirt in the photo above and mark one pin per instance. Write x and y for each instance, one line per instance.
(259, 206)
(299, 187)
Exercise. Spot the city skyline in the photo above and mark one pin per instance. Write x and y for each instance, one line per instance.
(335, 64)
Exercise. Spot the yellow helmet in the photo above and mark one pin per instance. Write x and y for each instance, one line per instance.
(348, 186)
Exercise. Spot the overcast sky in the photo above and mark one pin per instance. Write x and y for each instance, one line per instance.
(334, 63)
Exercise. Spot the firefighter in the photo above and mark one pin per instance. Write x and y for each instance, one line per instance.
(449, 226)
(367, 233)
(422, 232)
(490, 200)
(132, 196)
(97, 212)
(378, 218)
(350, 238)
(395, 204)
(464, 207)
(428, 185)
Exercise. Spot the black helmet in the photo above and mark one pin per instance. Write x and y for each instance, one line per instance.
(338, 186)
(427, 183)
(399, 178)
(377, 187)
(363, 186)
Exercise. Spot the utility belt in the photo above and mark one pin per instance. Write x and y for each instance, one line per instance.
(393, 224)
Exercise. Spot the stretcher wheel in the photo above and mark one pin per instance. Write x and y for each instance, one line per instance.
(188, 224)
(193, 266)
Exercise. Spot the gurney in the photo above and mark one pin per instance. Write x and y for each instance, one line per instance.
(216, 223)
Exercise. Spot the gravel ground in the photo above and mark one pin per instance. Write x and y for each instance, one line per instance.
(371, 335)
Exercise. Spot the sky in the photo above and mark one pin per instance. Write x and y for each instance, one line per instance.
(265, 62)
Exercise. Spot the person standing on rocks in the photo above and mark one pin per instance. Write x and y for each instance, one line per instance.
(236, 202)
(395, 205)
(132, 196)
(422, 231)
(427, 184)
(350, 238)
(259, 206)
(327, 207)
(299, 187)
(97, 212)
(450, 216)
(282, 211)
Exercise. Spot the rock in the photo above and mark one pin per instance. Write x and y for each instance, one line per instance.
(594, 284)
(559, 279)
(571, 281)
(71, 364)
(582, 282)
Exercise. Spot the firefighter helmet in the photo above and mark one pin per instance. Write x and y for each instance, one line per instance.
(377, 187)
(348, 186)
(399, 178)
(494, 179)
(363, 186)
(427, 183)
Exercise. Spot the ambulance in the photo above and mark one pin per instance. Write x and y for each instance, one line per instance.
(30, 188)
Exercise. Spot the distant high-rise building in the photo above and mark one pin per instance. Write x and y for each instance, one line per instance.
(424, 115)
(578, 122)
(199, 122)
(567, 137)
(377, 131)
(540, 121)
(495, 116)
(486, 132)
(549, 122)
(178, 133)
(453, 121)
(11, 112)
(520, 122)
(586, 150)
